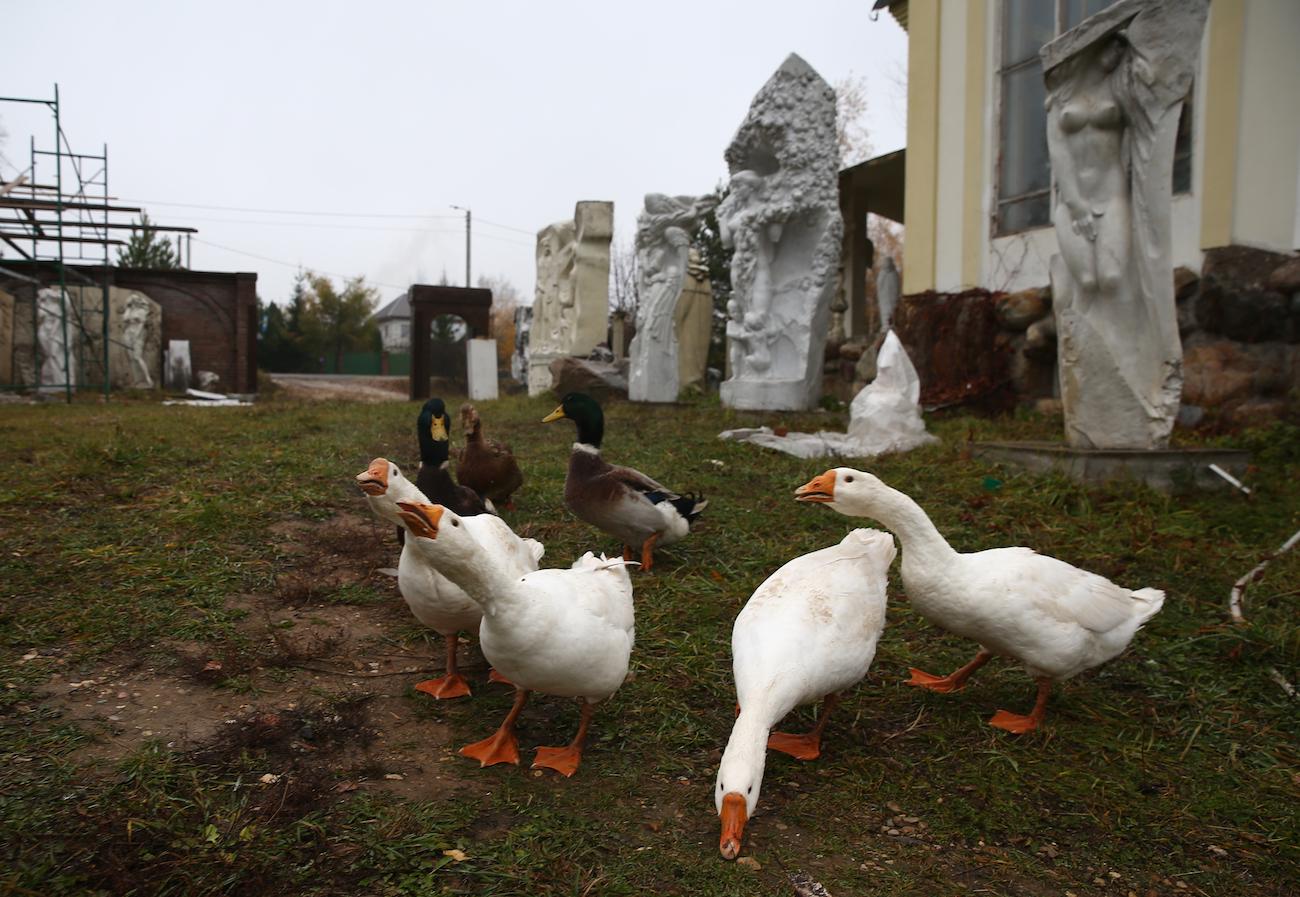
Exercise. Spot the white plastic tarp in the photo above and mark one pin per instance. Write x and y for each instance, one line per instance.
(884, 417)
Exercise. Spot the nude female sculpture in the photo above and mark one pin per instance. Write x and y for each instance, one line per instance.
(1115, 87)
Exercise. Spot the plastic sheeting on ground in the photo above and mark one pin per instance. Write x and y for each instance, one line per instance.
(884, 417)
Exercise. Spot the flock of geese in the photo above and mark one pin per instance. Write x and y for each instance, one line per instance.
(807, 633)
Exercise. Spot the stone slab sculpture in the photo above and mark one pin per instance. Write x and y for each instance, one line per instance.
(1116, 84)
(56, 339)
(6, 338)
(481, 362)
(783, 220)
(135, 356)
(523, 327)
(571, 307)
(177, 374)
(693, 323)
(663, 244)
(888, 288)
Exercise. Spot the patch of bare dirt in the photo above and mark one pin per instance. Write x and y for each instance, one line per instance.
(319, 689)
(330, 388)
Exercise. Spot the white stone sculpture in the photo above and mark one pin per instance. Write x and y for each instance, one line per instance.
(888, 287)
(571, 308)
(1116, 84)
(523, 327)
(885, 416)
(663, 243)
(56, 337)
(481, 362)
(135, 318)
(177, 375)
(782, 218)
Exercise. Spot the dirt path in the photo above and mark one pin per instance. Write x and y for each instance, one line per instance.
(334, 387)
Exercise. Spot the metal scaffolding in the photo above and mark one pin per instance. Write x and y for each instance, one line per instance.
(40, 221)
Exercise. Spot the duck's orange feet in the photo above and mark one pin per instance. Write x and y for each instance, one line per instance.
(494, 676)
(1013, 722)
(627, 553)
(510, 505)
(942, 684)
(563, 760)
(801, 747)
(647, 553)
(499, 747)
(453, 685)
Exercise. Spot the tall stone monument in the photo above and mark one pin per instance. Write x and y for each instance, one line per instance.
(663, 243)
(1116, 84)
(782, 218)
(519, 358)
(571, 308)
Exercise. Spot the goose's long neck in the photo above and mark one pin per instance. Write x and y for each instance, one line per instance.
(746, 750)
(907, 520)
(480, 579)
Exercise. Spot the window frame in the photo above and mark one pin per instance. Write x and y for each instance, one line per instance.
(1000, 74)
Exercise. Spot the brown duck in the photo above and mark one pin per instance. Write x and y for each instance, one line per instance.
(487, 466)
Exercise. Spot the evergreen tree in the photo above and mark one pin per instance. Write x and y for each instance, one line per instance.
(146, 248)
(706, 238)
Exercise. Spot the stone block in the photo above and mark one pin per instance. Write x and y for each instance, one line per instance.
(1016, 311)
(597, 379)
(1285, 278)
(481, 360)
(177, 374)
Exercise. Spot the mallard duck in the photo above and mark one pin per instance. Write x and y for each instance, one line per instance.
(485, 465)
(1054, 618)
(560, 632)
(433, 428)
(623, 502)
(808, 633)
(434, 600)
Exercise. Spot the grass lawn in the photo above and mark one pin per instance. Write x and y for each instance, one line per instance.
(207, 679)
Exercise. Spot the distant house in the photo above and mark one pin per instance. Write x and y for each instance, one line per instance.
(394, 321)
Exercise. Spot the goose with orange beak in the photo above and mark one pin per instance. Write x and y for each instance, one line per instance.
(808, 633)
(434, 600)
(1056, 619)
(559, 632)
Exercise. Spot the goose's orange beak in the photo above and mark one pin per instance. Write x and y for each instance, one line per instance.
(421, 518)
(734, 816)
(374, 480)
(819, 489)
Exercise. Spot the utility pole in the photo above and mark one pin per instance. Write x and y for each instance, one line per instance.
(468, 218)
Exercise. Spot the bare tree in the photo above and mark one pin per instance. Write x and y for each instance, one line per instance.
(623, 275)
(851, 120)
(506, 297)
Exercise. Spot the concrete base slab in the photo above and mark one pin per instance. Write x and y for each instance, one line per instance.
(1169, 470)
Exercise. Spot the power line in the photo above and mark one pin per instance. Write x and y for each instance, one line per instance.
(292, 264)
(371, 227)
(324, 214)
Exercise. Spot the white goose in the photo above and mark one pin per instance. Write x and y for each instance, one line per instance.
(1054, 618)
(434, 600)
(807, 633)
(560, 632)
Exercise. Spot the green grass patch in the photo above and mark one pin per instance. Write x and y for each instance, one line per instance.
(132, 526)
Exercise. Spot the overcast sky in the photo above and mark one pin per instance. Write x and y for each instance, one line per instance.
(390, 112)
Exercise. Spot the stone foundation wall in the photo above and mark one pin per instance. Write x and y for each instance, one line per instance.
(1239, 320)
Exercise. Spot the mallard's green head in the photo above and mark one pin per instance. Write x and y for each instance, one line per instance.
(433, 429)
(584, 411)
